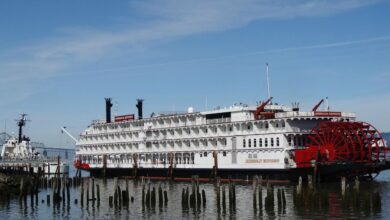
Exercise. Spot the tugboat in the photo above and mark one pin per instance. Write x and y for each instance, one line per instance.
(18, 152)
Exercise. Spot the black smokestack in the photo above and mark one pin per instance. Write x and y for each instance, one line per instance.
(108, 110)
(139, 107)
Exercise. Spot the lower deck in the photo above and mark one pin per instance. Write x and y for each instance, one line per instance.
(324, 172)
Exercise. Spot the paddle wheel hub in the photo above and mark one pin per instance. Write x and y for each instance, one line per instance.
(342, 142)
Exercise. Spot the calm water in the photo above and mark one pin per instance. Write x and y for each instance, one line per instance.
(244, 206)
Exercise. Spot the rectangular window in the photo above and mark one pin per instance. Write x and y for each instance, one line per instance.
(277, 142)
(272, 142)
(254, 142)
(266, 142)
(243, 143)
(249, 143)
(224, 153)
(260, 142)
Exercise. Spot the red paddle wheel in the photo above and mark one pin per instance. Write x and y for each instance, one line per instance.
(342, 142)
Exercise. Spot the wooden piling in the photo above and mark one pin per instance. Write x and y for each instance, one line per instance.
(343, 186)
(165, 198)
(127, 192)
(231, 204)
(98, 193)
(254, 189)
(148, 197)
(87, 192)
(310, 180)
(284, 200)
(153, 197)
(22, 188)
(63, 189)
(82, 193)
(120, 202)
(260, 192)
(357, 184)
(143, 194)
(93, 190)
(68, 192)
(110, 198)
(279, 202)
(192, 197)
(299, 186)
(224, 199)
(203, 198)
(160, 196)
(234, 195)
(183, 199)
(115, 193)
(218, 192)
(124, 198)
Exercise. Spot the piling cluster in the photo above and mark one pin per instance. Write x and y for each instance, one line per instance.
(120, 198)
(194, 198)
(88, 194)
(150, 196)
(309, 198)
(267, 199)
(220, 191)
(266, 203)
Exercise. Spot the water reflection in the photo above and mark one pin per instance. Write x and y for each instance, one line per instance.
(272, 201)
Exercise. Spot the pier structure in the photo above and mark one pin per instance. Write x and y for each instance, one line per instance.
(45, 166)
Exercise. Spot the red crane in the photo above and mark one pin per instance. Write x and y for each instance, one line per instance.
(261, 108)
(317, 106)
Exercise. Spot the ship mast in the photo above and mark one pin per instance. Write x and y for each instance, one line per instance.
(269, 91)
(21, 123)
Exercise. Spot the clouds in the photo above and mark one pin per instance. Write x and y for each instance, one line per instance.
(160, 21)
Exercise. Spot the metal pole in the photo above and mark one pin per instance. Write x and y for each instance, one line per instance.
(269, 92)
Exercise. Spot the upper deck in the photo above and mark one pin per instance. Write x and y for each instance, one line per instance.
(234, 115)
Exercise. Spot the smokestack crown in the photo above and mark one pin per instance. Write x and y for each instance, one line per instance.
(108, 109)
(139, 107)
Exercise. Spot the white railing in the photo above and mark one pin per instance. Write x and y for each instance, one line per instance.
(309, 114)
(218, 120)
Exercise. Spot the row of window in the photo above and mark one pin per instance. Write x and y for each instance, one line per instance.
(297, 140)
(223, 129)
(272, 142)
(205, 154)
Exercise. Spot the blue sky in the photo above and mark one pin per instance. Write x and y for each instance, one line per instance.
(58, 60)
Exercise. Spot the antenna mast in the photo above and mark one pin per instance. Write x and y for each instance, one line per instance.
(269, 92)
(21, 123)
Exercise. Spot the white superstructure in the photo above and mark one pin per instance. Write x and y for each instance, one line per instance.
(238, 137)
